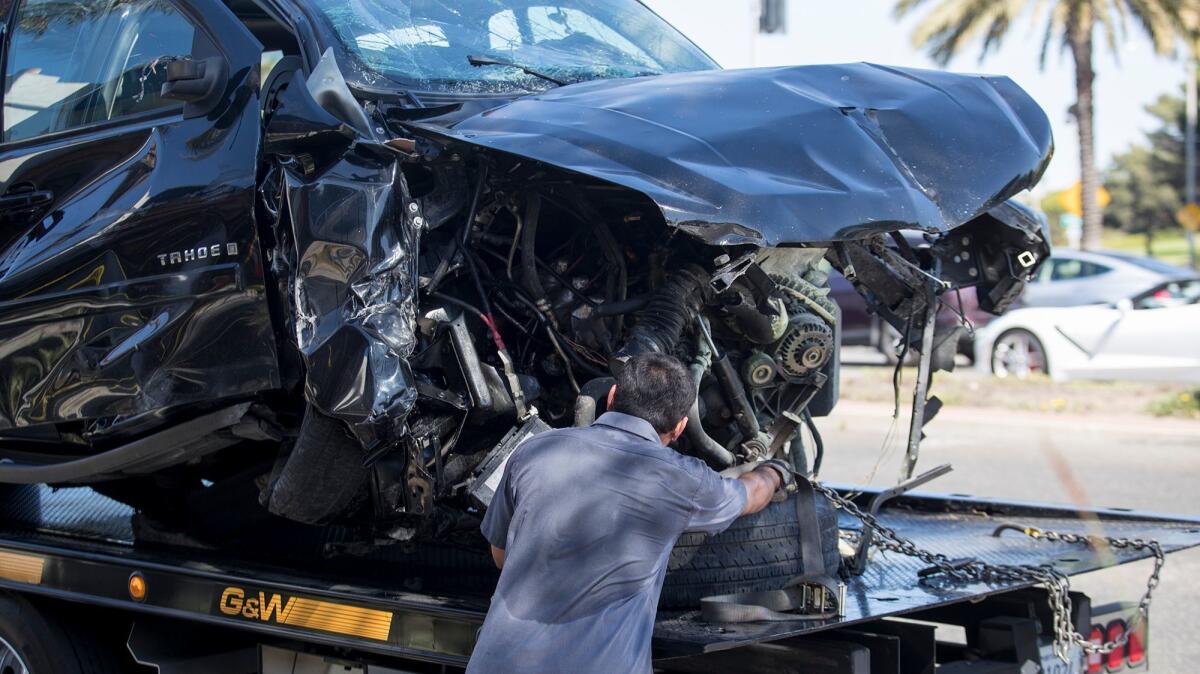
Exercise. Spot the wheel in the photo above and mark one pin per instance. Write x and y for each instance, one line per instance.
(36, 638)
(1018, 353)
(324, 475)
(757, 552)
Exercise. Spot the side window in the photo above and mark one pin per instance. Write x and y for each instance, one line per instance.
(1046, 272)
(1066, 270)
(71, 64)
(1069, 270)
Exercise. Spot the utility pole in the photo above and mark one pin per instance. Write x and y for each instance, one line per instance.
(1190, 152)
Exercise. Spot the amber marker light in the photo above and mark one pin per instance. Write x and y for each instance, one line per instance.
(137, 586)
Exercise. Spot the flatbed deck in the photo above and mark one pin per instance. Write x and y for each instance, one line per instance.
(77, 545)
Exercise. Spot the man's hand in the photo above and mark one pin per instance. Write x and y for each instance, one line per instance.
(786, 474)
(498, 557)
(761, 484)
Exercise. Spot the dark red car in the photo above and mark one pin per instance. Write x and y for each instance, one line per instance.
(861, 328)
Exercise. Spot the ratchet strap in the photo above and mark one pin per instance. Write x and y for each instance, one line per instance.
(805, 597)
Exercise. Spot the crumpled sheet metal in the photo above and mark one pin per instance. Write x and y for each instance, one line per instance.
(353, 293)
(770, 156)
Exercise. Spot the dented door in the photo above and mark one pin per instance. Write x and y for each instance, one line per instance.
(130, 271)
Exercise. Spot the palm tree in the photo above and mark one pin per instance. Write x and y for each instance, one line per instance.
(953, 24)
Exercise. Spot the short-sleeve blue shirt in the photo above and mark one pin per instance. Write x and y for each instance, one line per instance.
(587, 518)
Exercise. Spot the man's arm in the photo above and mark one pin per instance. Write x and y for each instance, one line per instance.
(721, 500)
(760, 484)
(498, 516)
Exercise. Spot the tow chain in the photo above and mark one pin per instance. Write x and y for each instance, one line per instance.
(1056, 583)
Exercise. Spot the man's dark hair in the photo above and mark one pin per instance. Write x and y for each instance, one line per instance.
(657, 388)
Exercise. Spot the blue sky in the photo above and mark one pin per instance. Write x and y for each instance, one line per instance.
(864, 30)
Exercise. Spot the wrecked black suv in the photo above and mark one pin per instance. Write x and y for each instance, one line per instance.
(333, 260)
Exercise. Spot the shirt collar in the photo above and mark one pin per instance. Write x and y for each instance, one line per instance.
(631, 424)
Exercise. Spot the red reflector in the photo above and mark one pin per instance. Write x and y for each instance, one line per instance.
(1116, 659)
(1095, 663)
(1163, 294)
(1137, 650)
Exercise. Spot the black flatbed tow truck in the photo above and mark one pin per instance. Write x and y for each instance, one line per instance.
(186, 609)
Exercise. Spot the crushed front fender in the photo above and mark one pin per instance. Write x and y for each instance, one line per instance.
(347, 246)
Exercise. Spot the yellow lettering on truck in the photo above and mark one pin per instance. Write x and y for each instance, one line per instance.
(307, 613)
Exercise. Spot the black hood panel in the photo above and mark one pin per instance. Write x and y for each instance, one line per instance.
(774, 156)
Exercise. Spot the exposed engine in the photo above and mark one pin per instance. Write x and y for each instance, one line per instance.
(531, 289)
(532, 300)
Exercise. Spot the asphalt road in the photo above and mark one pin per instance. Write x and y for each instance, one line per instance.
(1104, 462)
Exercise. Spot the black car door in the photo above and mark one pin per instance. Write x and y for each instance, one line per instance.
(130, 268)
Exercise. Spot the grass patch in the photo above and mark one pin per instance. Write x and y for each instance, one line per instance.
(970, 388)
(1185, 404)
(1170, 247)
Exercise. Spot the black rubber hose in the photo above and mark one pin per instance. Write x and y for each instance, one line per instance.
(529, 275)
(660, 324)
(703, 446)
(464, 243)
(622, 307)
(459, 303)
(473, 210)
(592, 397)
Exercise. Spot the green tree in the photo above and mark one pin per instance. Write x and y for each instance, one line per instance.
(953, 24)
(1146, 182)
(1142, 202)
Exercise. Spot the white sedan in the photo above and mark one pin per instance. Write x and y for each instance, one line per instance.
(1153, 336)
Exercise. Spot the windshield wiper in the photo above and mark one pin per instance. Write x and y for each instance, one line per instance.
(489, 61)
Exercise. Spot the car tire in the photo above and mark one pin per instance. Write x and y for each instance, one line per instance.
(757, 552)
(40, 637)
(324, 475)
(1007, 359)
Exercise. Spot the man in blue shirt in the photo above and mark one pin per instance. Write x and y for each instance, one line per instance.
(584, 519)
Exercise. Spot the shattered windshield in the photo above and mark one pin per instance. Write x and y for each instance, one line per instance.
(425, 44)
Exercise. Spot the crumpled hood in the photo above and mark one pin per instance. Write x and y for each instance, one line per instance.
(785, 155)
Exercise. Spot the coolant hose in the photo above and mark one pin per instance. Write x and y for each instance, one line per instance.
(529, 275)
(703, 446)
(592, 397)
